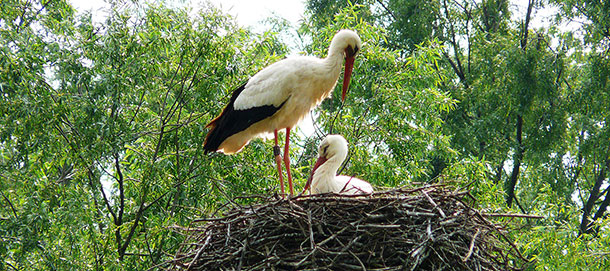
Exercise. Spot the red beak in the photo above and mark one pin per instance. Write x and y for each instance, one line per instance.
(349, 65)
(321, 160)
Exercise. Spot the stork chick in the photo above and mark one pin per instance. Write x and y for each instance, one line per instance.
(324, 179)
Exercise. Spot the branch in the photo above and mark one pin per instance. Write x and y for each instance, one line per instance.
(387, 9)
(458, 66)
(75, 148)
(514, 177)
(606, 201)
(167, 192)
(106, 201)
(602, 207)
(142, 205)
(530, 5)
(119, 219)
(469, 14)
(121, 189)
(593, 196)
(456, 69)
(9, 203)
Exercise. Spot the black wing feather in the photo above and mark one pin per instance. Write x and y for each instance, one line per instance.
(232, 121)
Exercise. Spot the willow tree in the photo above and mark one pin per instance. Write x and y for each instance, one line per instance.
(531, 113)
(102, 126)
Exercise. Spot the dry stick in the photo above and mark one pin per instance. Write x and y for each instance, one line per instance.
(512, 215)
(347, 248)
(478, 214)
(471, 246)
(228, 234)
(205, 243)
(306, 257)
(358, 259)
(311, 241)
(243, 251)
(174, 261)
(434, 204)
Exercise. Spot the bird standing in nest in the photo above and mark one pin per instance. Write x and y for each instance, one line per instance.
(279, 96)
(324, 179)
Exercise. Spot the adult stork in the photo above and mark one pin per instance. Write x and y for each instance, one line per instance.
(324, 179)
(279, 96)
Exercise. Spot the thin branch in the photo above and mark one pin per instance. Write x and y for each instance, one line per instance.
(9, 202)
(387, 9)
(458, 65)
(120, 180)
(470, 249)
(33, 17)
(512, 215)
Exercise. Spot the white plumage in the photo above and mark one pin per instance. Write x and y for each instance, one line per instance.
(279, 96)
(324, 179)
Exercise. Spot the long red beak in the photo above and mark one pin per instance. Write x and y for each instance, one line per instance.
(321, 160)
(349, 66)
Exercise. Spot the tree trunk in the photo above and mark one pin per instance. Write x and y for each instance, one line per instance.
(514, 176)
(585, 223)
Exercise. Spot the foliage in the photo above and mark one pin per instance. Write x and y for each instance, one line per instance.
(101, 124)
(530, 121)
(102, 127)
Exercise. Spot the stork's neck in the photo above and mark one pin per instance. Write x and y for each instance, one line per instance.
(324, 177)
(328, 170)
(335, 57)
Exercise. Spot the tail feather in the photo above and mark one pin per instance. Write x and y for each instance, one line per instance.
(232, 121)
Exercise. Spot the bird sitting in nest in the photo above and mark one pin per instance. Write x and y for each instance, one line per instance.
(323, 179)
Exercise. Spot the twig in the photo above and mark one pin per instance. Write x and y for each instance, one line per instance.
(471, 246)
(512, 215)
(440, 211)
(9, 203)
(311, 240)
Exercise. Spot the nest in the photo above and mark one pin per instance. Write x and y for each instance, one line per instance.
(427, 228)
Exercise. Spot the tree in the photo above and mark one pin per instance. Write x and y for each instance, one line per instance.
(102, 128)
(528, 108)
(589, 87)
(101, 125)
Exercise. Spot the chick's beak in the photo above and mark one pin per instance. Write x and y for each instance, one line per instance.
(321, 160)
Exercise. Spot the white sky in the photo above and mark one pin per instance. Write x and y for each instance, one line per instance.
(252, 12)
(247, 13)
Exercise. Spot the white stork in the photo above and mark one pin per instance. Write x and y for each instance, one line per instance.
(324, 179)
(279, 96)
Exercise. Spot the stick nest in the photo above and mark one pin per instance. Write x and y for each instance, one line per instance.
(427, 228)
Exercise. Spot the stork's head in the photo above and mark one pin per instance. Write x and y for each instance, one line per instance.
(333, 149)
(350, 44)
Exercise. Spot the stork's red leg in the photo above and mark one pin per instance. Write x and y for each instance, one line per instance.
(278, 159)
(287, 160)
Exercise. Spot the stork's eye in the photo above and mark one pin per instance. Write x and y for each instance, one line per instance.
(324, 149)
(349, 51)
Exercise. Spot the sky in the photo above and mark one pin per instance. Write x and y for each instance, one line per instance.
(247, 13)
(250, 13)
